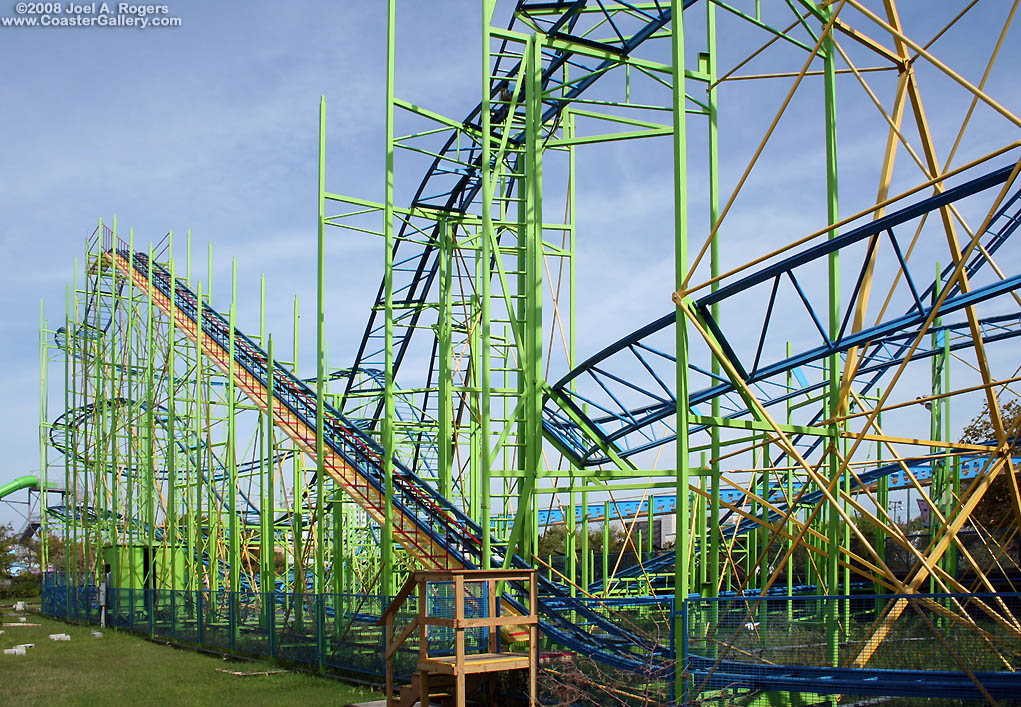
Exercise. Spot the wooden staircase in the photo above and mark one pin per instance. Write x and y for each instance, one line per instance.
(448, 679)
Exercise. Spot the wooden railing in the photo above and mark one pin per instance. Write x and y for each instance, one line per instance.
(461, 664)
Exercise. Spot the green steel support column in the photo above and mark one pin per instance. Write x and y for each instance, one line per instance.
(320, 514)
(586, 574)
(95, 374)
(108, 500)
(530, 435)
(267, 506)
(444, 336)
(650, 541)
(192, 470)
(606, 547)
(91, 358)
(234, 552)
(569, 133)
(296, 528)
(197, 522)
(213, 534)
(131, 461)
(150, 422)
(44, 466)
(389, 407)
(833, 530)
(69, 463)
(763, 568)
(72, 488)
(712, 97)
(337, 572)
(681, 578)
(265, 424)
(320, 360)
(534, 254)
(474, 436)
(525, 529)
(954, 480)
(86, 375)
(702, 532)
(752, 537)
(571, 539)
(172, 529)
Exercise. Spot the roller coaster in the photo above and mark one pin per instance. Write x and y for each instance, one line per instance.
(780, 418)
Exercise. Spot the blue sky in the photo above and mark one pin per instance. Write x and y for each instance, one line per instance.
(212, 126)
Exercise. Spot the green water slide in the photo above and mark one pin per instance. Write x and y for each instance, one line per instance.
(23, 482)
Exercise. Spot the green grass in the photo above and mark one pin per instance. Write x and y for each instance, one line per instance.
(123, 669)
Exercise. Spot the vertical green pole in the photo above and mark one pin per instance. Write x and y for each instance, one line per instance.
(752, 537)
(525, 529)
(701, 531)
(586, 575)
(681, 578)
(444, 336)
(569, 133)
(715, 537)
(171, 534)
(536, 261)
(571, 540)
(534, 283)
(833, 533)
(337, 570)
(650, 541)
(200, 525)
(606, 548)
(44, 466)
(389, 412)
(214, 532)
(319, 522)
(234, 553)
(763, 568)
(192, 469)
(296, 565)
(94, 374)
(267, 511)
(72, 487)
(69, 383)
(265, 466)
(150, 424)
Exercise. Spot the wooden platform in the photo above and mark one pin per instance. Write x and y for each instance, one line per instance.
(475, 663)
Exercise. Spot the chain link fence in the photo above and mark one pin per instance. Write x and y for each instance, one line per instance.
(944, 648)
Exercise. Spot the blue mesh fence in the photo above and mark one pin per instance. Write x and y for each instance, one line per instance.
(336, 632)
(948, 647)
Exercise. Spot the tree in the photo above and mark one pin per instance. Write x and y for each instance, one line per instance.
(554, 540)
(8, 554)
(997, 506)
(14, 583)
